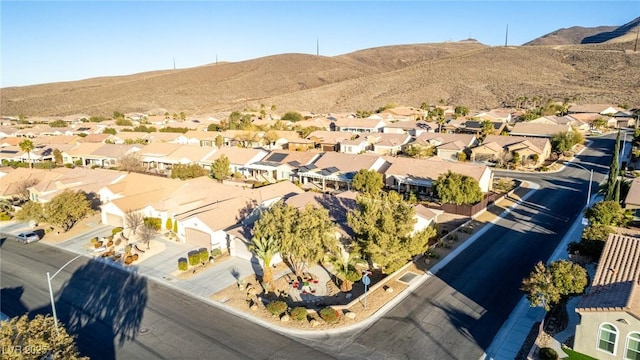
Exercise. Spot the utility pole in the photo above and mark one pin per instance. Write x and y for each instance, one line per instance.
(216, 59)
(317, 47)
(506, 36)
(635, 46)
(174, 63)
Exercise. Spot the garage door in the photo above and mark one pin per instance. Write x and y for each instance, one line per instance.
(198, 238)
(240, 249)
(114, 220)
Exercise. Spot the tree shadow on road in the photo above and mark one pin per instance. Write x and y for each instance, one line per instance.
(103, 306)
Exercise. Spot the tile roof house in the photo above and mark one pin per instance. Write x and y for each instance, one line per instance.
(538, 130)
(280, 165)
(329, 140)
(418, 175)
(562, 120)
(60, 179)
(475, 127)
(98, 154)
(413, 128)
(602, 109)
(495, 147)
(447, 146)
(388, 144)
(15, 182)
(338, 207)
(632, 201)
(354, 146)
(337, 169)
(358, 125)
(609, 326)
(7, 131)
(239, 158)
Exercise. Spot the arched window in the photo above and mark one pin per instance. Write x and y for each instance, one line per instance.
(607, 336)
(633, 346)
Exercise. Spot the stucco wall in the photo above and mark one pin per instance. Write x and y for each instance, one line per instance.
(587, 333)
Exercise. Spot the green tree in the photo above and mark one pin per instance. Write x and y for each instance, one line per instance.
(221, 168)
(40, 336)
(547, 285)
(219, 141)
(368, 181)
(183, 116)
(599, 123)
(344, 266)
(566, 140)
(461, 110)
(118, 115)
(457, 189)
(265, 249)
(363, 114)
(31, 211)
(304, 235)
(57, 156)
(612, 179)
(58, 123)
(168, 224)
(608, 213)
(419, 151)
(187, 171)
(292, 116)
(486, 128)
(384, 229)
(123, 122)
(67, 208)
(27, 146)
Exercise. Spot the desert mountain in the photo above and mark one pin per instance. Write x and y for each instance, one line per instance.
(467, 73)
(589, 35)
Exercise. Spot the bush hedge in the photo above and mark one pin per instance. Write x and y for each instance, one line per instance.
(299, 313)
(329, 315)
(548, 354)
(182, 264)
(116, 230)
(216, 252)
(277, 307)
(204, 255)
(194, 258)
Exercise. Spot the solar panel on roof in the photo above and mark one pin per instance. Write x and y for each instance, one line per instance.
(311, 167)
(294, 163)
(324, 172)
(332, 169)
(277, 157)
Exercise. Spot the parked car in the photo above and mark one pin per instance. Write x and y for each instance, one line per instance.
(28, 237)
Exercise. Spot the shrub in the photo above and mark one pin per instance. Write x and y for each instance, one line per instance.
(97, 244)
(329, 315)
(154, 222)
(277, 307)
(216, 252)
(204, 255)
(4, 216)
(169, 224)
(116, 230)
(182, 264)
(128, 260)
(547, 353)
(194, 258)
(299, 313)
(94, 240)
(135, 257)
(69, 166)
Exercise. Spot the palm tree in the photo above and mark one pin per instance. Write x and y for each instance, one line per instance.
(27, 146)
(344, 265)
(265, 248)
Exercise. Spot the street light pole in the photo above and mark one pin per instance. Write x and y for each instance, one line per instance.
(53, 304)
(590, 181)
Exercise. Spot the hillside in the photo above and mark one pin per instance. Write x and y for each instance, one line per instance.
(462, 73)
(572, 35)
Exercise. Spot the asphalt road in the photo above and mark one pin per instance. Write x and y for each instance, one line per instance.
(457, 313)
(119, 315)
(454, 315)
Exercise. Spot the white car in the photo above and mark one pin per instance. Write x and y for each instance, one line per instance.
(28, 237)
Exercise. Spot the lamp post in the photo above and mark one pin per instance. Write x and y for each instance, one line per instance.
(590, 181)
(53, 304)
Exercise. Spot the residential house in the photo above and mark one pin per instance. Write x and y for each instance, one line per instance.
(388, 144)
(37, 155)
(495, 147)
(452, 126)
(447, 146)
(329, 140)
(609, 326)
(202, 138)
(98, 154)
(7, 131)
(279, 140)
(58, 180)
(502, 115)
(81, 154)
(10, 141)
(336, 170)
(413, 128)
(243, 138)
(475, 127)
(403, 113)
(589, 118)
(357, 125)
(239, 158)
(163, 137)
(602, 109)
(358, 145)
(418, 175)
(280, 165)
(338, 206)
(16, 182)
(58, 140)
(528, 129)
(576, 124)
(425, 217)
(632, 200)
(155, 155)
(96, 138)
(124, 137)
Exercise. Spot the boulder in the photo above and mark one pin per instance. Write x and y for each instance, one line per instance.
(284, 318)
(351, 315)
(314, 322)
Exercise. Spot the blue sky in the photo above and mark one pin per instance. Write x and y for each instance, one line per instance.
(47, 41)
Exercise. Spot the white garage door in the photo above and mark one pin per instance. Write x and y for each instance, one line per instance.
(114, 220)
(240, 249)
(198, 238)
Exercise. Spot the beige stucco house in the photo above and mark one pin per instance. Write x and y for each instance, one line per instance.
(609, 325)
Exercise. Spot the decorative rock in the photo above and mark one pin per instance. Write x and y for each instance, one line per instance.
(389, 289)
(314, 323)
(284, 318)
(251, 290)
(351, 315)
(348, 296)
(254, 307)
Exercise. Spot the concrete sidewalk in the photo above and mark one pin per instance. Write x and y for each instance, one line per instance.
(511, 337)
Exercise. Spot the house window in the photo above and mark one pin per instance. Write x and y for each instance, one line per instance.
(607, 335)
(633, 347)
